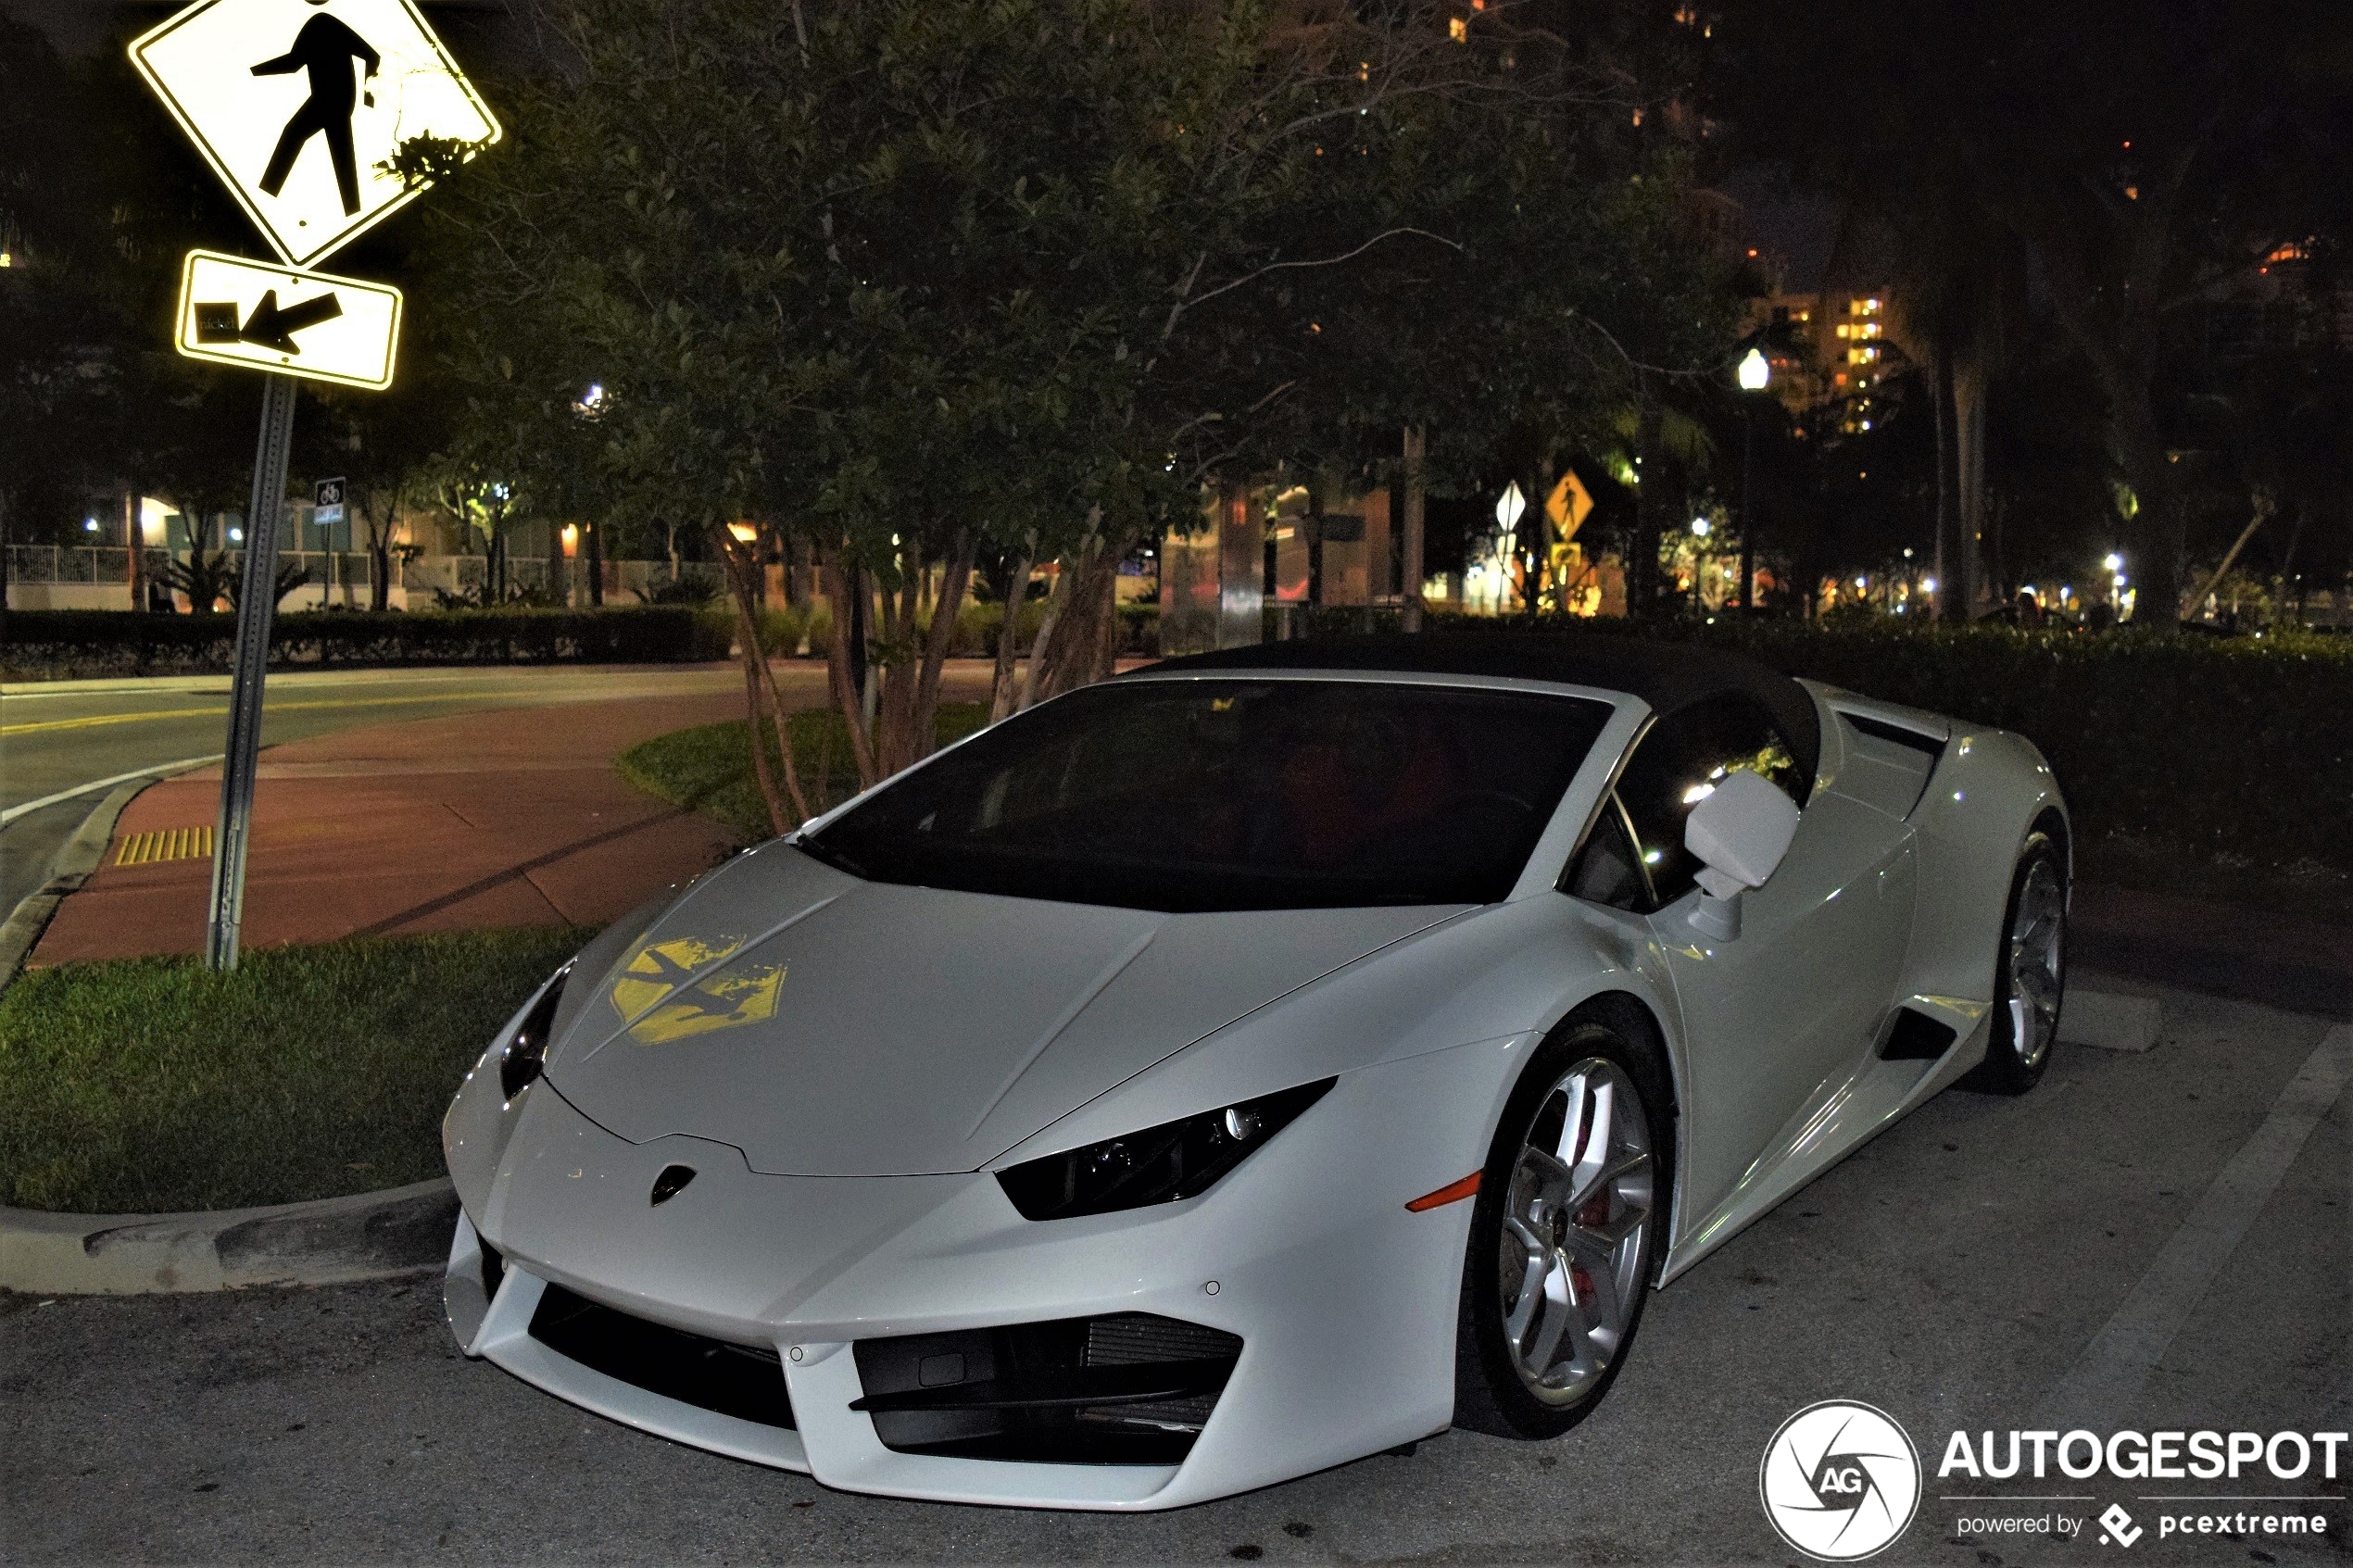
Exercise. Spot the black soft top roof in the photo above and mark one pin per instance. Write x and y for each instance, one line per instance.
(1665, 675)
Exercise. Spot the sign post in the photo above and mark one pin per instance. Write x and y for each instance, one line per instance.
(257, 608)
(301, 107)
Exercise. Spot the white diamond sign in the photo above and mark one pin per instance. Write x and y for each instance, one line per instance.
(300, 106)
(308, 324)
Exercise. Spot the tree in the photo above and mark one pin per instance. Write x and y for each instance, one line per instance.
(2141, 163)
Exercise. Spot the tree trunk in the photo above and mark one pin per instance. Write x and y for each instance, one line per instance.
(1409, 568)
(1950, 607)
(1969, 477)
(1001, 692)
(135, 544)
(1057, 601)
(1650, 509)
(946, 604)
(758, 684)
(839, 582)
(595, 539)
(2156, 529)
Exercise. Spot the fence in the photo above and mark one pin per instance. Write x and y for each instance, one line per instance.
(98, 577)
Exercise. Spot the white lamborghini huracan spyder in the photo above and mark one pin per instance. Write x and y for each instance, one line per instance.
(1248, 1064)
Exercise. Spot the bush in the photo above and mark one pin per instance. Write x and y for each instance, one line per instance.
(57, 643)
(2239, 749)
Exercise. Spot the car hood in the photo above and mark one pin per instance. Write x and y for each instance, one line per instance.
(829, 1026)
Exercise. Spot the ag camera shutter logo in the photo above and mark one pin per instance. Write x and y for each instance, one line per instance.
(1840, 1481)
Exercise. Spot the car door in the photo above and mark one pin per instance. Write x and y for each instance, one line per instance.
(1797, 999)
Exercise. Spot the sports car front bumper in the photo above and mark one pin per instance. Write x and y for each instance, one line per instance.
(1343, 1302)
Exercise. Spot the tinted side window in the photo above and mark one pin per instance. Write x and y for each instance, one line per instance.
(1679, 763)
(1605, 870)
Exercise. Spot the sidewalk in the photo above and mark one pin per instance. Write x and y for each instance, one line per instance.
(513, 817)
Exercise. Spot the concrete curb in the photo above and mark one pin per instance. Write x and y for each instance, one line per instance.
(77, 857)
(325, 1241)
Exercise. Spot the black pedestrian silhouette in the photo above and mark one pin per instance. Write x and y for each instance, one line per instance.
(325, 48)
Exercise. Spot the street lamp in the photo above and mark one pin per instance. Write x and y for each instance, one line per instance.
(1754, 374)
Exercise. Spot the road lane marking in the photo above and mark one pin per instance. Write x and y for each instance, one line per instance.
(93, 721)
(2101, 1387)
(13, 812)
(96, 718)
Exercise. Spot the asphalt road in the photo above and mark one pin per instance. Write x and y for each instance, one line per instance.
(2149, 1241)
(57, 737)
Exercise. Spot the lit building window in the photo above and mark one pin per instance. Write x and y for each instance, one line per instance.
(1458, 28)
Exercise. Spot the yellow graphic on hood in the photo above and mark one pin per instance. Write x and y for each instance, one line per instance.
(652, 990)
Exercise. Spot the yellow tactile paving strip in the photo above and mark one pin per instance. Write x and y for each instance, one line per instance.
(164, 844)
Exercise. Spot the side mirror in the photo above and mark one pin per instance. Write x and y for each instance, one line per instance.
(1739, 833)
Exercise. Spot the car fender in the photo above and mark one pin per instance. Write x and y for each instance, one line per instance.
(1505, 976)
(1989, 789)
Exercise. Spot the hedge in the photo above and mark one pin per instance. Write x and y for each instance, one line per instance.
(51, 642)
(54, 644)
(2231, 747)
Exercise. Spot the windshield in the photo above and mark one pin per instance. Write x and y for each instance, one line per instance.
(1189, 795)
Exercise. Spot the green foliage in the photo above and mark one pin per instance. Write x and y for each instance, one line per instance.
(54, 644)
(708, 769)
(2232, 750)
(1050, 265)
(156, 1084)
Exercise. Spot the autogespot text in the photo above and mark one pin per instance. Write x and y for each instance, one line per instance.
(2137, 1456)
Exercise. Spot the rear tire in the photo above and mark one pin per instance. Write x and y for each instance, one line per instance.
(1567, 1232)
(2030, 972)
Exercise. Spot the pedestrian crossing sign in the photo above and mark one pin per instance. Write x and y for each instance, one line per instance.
(301, 107)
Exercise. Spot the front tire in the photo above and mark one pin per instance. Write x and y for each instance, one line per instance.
(2030, 975)
(1567, 1233)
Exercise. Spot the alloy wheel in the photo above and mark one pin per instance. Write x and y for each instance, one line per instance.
(2036, 939)
(1576, 1222)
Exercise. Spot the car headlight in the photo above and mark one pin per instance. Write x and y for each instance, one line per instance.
(1160, 1164)
(526, 1051)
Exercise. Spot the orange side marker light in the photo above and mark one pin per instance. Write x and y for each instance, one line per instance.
(1453, 1192)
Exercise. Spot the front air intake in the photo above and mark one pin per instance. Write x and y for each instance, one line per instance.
(743, 1381)
(1130, 1388)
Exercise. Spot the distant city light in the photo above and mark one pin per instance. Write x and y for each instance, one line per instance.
(236, 536)
(2113, 562)
(1858, 583)
(1928, 584)
(90, 525)
(1699, 526)
(1755, 371)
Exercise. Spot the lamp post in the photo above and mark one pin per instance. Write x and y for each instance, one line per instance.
(1753, 373)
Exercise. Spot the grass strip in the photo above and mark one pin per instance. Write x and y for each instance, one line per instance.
(707, 768)
(154, 1084)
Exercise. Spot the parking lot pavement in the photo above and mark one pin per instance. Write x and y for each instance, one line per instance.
(1955, 1272)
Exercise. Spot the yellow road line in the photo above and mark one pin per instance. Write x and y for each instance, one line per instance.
(45, 725)
(164, 844)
